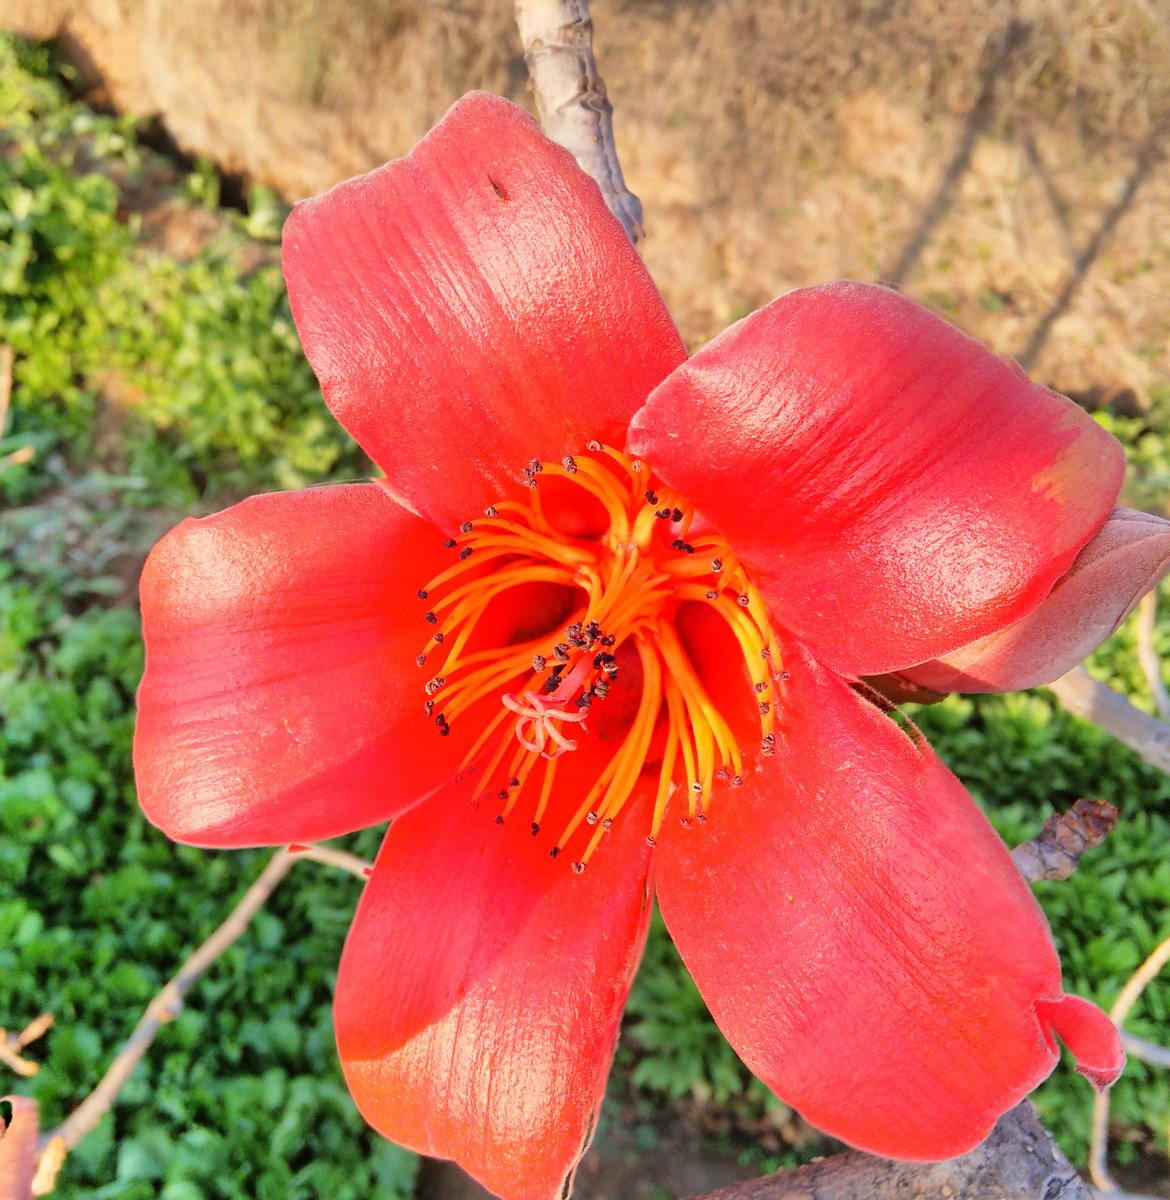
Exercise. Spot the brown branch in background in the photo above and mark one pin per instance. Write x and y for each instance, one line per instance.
(1018, 1161)
(574, 109)
(12, 1045)
(1084, 696)
(1147, 654)
(1127, 998)
(169, 1002)
(1055, 851)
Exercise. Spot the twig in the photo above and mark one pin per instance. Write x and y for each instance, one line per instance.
(169, 1002)
(11, 1045)
(1147, 655)
(574, 109)
(1148, 1052)
(341, 859)
(1084, 696)
(1018, 1161)
(167, 1005)
(1127, 998)
(1055, 851)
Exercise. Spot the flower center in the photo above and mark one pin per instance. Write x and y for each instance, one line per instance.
(637, 594)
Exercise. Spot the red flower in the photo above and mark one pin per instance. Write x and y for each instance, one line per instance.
(636, 674)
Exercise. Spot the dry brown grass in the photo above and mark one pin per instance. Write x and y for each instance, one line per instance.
(976, 150)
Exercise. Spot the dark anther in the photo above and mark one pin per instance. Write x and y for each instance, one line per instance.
(578, 868)
(761, 687)
(651, 497)
(676, 514)
(662, 513)
(431, 619)
(530, 483)
(539, 662)
(491, 511)
(717, 564)
(561, 651)
(535, 829)
(465, 553)
(723, 774)
(600, 689)
(554, 852)
(768, 745)
(590, 818)
(765, 653)
(593, 445)
(570, 464)
(502, 794)
(650, 841)
(677, 544)
(444, 731)
(607, 823)
(500, 819)
(422, 658)
(576, 634)
(449, 544)
(697, 788)
(536, 466)
(765, 708)
(583, 700)
(786, 675)
(635, 465)
(712, 595)
(514, 782)
(737, 781)
(466, 527)
(438, 639)
(742, 601)
(429, 708)
(702, 818)
(422, 593)
(435, 685)
(685, 822)
(608, 640)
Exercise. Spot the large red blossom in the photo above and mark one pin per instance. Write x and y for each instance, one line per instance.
(597, 636)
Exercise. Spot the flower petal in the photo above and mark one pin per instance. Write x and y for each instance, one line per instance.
(895, 489)
(18, 1149)
(281, 701)
(861, 935)
(472, 307)
(1110, 575)
(481, 990)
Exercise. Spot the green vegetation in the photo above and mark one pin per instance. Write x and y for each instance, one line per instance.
(149, 388)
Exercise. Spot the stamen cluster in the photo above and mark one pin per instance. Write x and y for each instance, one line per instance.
(627, 583)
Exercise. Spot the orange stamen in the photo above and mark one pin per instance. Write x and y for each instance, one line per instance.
(631, 581)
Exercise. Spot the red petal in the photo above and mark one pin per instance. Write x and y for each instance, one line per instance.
(1111, 574)
(896, 489)
(281, 701)
(481, 990)
(18, 1150)
(472, 307)
(860, 933)
(1089, 1034)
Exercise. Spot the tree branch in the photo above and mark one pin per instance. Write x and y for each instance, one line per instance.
(1084, 696)
(574, 109)
(1018, 1161)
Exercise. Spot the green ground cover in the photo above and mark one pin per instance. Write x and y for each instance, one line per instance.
(149, 389)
